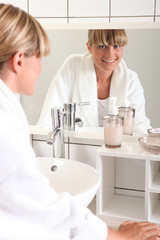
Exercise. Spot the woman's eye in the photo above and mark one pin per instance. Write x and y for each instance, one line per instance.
(116, 46)
(102, 46)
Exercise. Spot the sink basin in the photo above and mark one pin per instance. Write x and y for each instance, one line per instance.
(78, 179)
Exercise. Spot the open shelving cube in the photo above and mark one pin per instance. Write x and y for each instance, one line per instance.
(122, 207)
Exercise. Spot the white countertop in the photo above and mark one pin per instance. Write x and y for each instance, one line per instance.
(128, 150)
(95, 133)
(84, 132)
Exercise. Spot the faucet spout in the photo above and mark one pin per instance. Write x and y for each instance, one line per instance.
(56, 136)
(52, 135)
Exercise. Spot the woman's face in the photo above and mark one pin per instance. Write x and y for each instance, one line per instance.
(106, 58)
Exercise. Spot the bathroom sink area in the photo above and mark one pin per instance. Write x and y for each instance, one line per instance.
(78, 179)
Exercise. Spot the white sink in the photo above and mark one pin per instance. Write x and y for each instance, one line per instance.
(78, 179)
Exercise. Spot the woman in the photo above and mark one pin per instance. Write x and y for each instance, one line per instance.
(94, 77)
(29, 207)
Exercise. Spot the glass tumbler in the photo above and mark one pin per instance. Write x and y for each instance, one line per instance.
(128, 114)
(113, 129)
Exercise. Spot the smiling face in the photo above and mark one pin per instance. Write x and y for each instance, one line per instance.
(106, 58)
(106, 47)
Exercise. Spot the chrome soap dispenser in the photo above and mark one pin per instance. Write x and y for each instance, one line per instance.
(113, 126)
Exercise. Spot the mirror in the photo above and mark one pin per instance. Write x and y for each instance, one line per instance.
(141, 55)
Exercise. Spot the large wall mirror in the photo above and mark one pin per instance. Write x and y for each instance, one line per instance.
(142, 55)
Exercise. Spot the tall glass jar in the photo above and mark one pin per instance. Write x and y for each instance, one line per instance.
(128, 114)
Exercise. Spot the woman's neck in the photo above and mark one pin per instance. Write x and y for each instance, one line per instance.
(103, 84)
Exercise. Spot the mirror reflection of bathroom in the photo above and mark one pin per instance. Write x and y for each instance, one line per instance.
(141, 55)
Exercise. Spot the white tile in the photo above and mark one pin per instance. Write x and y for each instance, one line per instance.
(88, 8)
(51, 20)
(89, 20)
(132, 19)
(157, 19)
(132, 7)
(18, 3)
(158, 7)
(48, 8)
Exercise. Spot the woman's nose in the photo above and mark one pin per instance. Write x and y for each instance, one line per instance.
(109, 51)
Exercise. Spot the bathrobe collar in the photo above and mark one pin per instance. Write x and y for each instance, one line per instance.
(11, 104)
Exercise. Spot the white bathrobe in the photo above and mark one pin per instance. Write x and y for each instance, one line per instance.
(29, 207)
(76, 82)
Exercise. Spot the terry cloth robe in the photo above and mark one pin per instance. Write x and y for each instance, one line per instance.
(29, 207)
(76, 82)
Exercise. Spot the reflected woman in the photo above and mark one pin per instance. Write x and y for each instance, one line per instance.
(95, 76)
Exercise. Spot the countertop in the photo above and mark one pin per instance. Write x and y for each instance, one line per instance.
(95, 133)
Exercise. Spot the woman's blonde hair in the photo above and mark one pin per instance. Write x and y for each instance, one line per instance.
(19, 31)
(107, 37)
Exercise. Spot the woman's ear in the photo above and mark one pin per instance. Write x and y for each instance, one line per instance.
(88, 47)
(17, 61)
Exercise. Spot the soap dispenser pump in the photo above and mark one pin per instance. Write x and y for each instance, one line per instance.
(113, 126)
(128, 114)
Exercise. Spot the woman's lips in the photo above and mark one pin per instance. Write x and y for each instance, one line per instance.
(108, 61)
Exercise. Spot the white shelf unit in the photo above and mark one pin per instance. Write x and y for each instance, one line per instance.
(122, 207)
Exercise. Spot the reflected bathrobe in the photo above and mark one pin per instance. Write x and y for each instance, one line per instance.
(29, 207)
(76, 82)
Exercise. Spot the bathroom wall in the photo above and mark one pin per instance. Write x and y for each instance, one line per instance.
(91, 11)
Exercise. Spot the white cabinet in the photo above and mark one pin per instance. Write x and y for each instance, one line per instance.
(84, 150)
(78, 149)
(153, 168)
(121, 207)
(42, 149)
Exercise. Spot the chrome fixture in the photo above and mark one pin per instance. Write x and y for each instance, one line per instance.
(56, 136)
(63, 119)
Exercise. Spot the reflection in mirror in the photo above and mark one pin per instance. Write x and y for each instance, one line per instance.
(141, 55)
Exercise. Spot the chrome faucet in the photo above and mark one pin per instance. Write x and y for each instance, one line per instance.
(63, 119)
(56, 136)
(69, 118)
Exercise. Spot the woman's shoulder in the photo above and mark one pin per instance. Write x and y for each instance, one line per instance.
(77, 58)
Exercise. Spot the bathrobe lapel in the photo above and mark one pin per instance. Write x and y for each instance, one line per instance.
(13, 118)
(85, 90)
(119, 83)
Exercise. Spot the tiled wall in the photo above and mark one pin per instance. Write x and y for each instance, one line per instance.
(91, 11)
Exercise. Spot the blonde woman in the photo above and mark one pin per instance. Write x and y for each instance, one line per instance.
(95, 76)
(29, 207)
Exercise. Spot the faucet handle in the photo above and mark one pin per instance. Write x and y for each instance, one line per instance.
(79, 122)
(83, 103)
